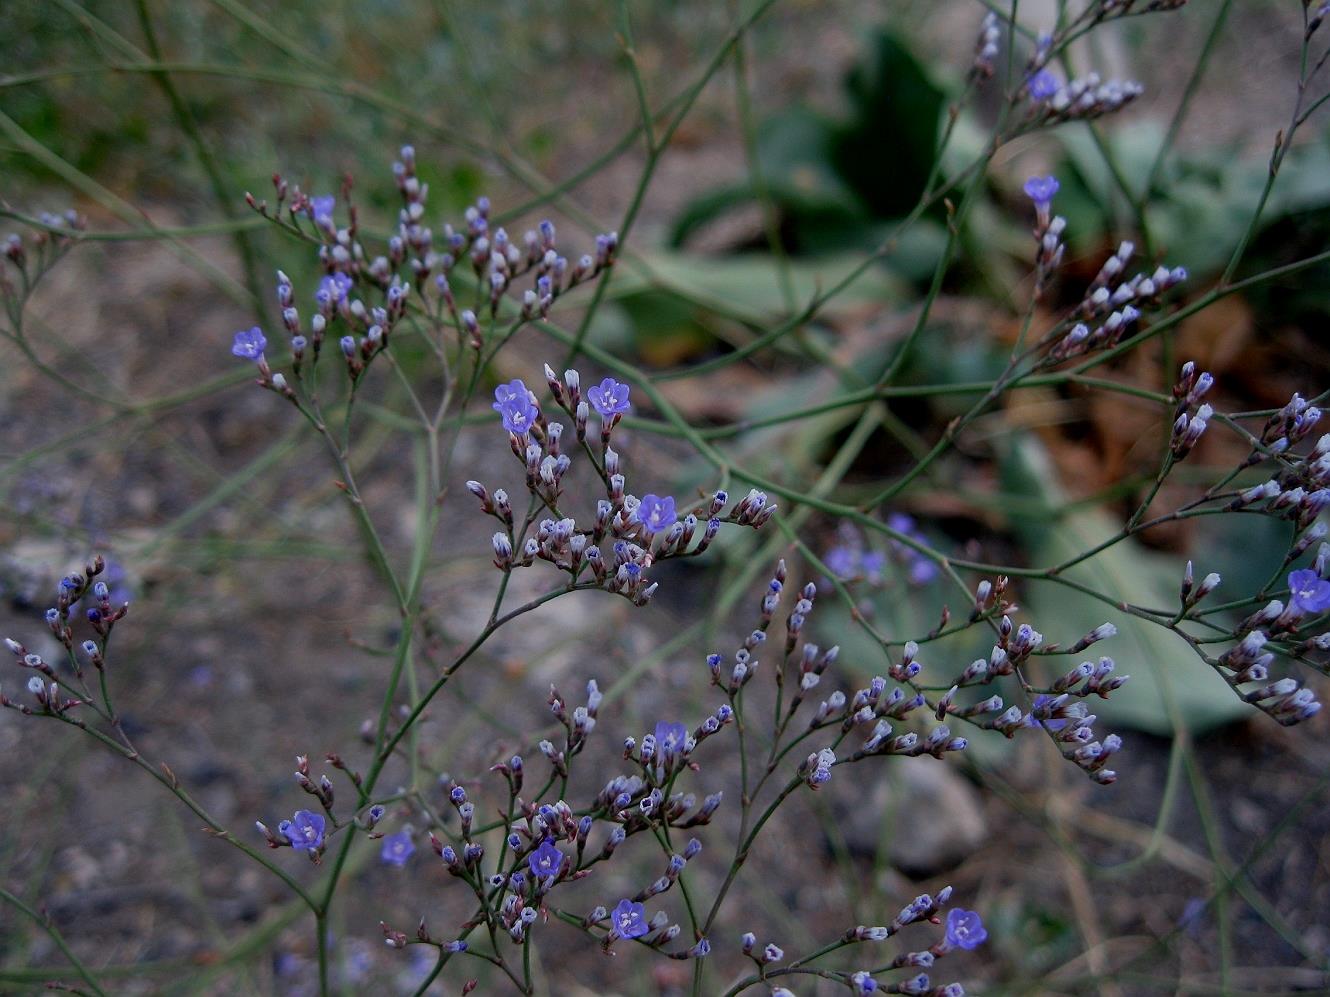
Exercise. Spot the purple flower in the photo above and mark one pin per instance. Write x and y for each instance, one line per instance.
(249, 344)
(656, 513)
(513, 402)
(1192, 917)
(545, 861)
(1311, 593)
(321, 210)
(359, 963)
(304, 830)
(872, 564)
(287, 964)
(842, 561)
(902, 523)
(1041, 190)
(116, 578)
(397, 848)
(630, 920)
(608, 398)
(920, 569)
(1055, 723)
(1043, 85)
(670, 738)
(965, 929)
(335, 287)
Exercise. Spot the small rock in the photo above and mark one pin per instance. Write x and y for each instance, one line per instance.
(922, 815)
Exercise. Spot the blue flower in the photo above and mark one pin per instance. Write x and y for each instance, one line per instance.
(1041, 190)
(842, 561)
(397, 849)
(874, 562)
(513, 402)
(656, 513)
(116, 578)
(630, 919)
(920, 569)
(321, 210)
(965, 929)
(304, 830)
(1053, 724)
(670, 738)
(1310, 592)
(1192, 917)
(335, 286)
(249, 344)
(546, 860)
(608, 398)
(1043, 85)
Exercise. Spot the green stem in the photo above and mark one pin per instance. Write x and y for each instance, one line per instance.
(47, 926)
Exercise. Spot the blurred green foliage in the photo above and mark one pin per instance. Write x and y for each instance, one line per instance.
(834, 181)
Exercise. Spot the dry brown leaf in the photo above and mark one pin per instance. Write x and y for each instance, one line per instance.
(1216, 337)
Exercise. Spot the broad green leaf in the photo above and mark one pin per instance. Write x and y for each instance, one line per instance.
(833, 181)
(1163, 669)
(748, 287)
(886, 150)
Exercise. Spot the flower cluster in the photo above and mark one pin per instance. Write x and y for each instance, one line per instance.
(986, 47)
(1051, 100)
(1109, 291)
(1248, 663)
(1300, 488)
(99, 614)
(1048, 228)
(1080, 99)
(363, 297)
(32, 258)
(1298, 491)
(919, 569)
(627, 534)
(523, 848)
(963, 930)
(1112, 304)
(308, 831)
(1059, 709)
(1066, 719)
(850, 560)
(548, 846)
(1190, 420)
